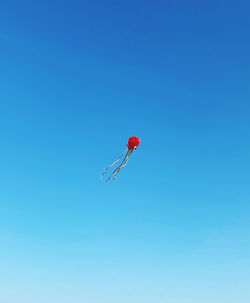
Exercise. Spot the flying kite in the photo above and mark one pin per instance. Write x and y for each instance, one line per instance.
(133, 143)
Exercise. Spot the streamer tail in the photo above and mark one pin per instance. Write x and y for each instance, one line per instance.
(123, 164)
(106, 168)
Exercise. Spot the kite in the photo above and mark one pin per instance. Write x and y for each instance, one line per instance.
(133, 143)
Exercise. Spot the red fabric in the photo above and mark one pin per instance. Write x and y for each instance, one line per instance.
(133, 142)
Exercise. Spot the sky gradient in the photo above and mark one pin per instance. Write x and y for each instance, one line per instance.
(77, 78)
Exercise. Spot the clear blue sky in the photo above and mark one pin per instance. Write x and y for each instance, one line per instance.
(77, 78)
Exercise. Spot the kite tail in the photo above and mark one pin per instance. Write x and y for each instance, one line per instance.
(106, 168)
(123, 164)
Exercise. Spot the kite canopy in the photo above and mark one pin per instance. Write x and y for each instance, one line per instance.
(133, 142)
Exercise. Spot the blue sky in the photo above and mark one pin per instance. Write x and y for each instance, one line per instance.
(77, 78)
